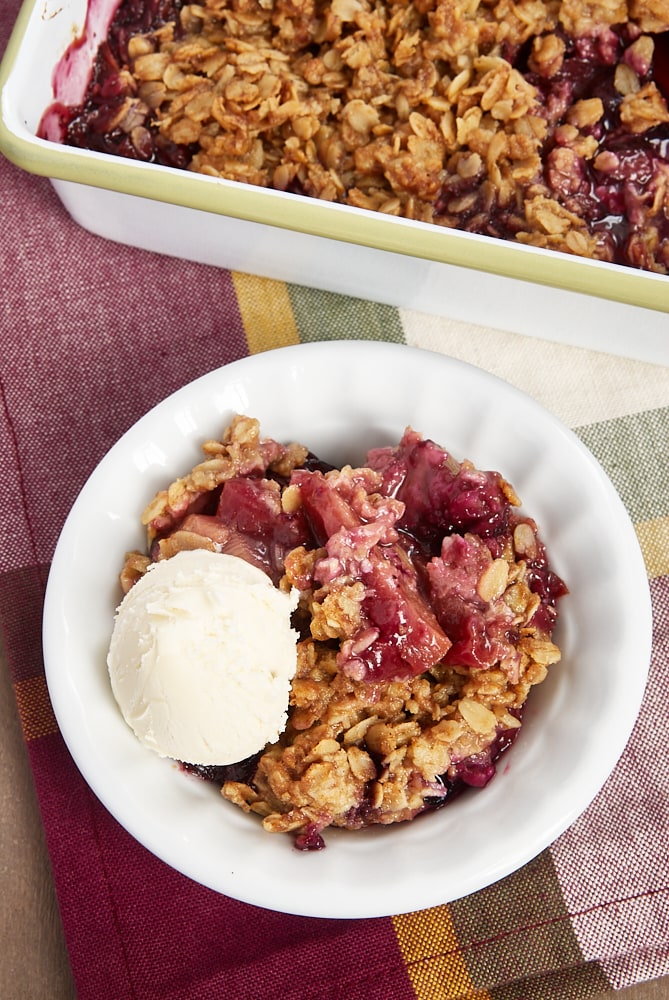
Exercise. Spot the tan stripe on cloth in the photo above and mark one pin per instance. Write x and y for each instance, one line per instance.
(654, 544)
(579, 386)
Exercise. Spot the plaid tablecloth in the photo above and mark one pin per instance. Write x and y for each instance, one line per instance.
(92, 335)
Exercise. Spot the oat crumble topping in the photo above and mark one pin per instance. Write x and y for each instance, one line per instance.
(427, 606)
(537, 120)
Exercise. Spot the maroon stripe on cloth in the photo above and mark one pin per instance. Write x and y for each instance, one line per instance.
(21, 597)
(138, 930)
(17, 546)
(76, 379)
(73, 378)
(135, 928)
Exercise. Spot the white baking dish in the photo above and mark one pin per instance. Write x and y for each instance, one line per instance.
(302, 240)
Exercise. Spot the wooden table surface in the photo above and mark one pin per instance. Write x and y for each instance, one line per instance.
(34, 963)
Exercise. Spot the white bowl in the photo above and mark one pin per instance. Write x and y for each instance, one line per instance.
(341, 398)
(305, 240)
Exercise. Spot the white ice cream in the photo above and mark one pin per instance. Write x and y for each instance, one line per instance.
(202, 656)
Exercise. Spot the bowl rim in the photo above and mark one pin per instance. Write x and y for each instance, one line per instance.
(617, 730)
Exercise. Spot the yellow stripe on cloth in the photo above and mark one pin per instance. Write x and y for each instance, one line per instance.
(654, 542)
(433, 960)
(266, 311)
(35, 711)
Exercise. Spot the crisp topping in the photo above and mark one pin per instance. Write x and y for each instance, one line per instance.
(426, 611)
(539, 121)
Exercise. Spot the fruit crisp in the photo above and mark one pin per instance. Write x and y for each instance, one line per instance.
(539, 121)
(426, 611)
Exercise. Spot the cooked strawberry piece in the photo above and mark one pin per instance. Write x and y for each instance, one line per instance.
(399, 635)
(172, 517)
(208, 526)
(440, 496)
(261, 531)
(406, 636)
(478, 629)
(340, 500)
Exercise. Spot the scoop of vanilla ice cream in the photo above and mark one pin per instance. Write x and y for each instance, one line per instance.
(201, 658)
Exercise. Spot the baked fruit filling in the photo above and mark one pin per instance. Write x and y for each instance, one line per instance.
(427, 605)
(539, 121)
